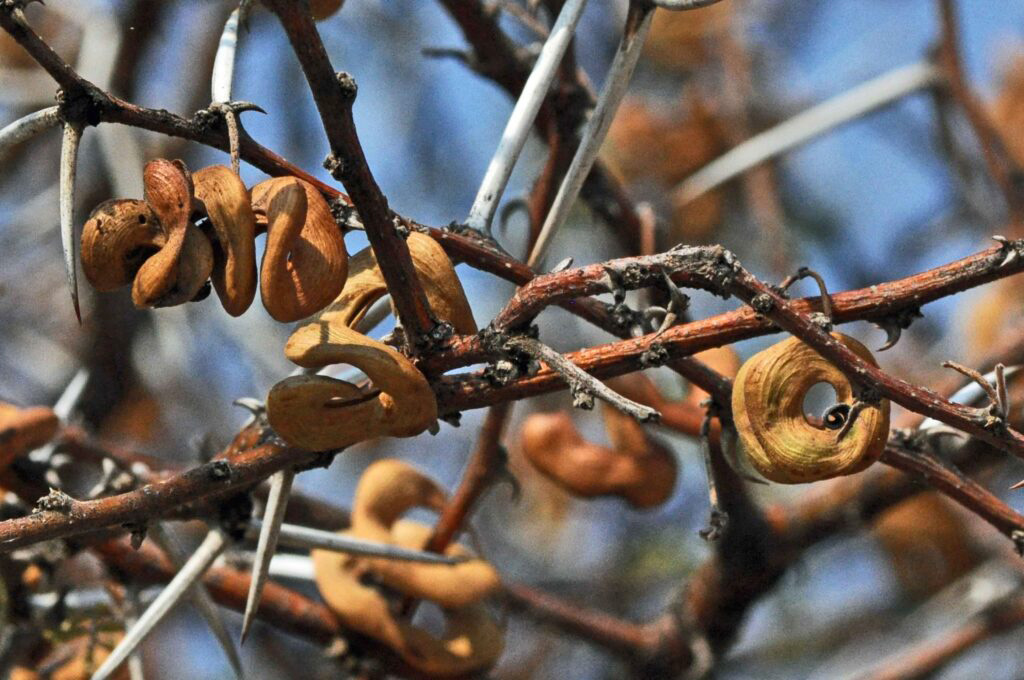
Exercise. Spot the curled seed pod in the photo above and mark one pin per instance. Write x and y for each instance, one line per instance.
(22, 430)
(305, 262)
(635, 467)
(118, 237)
(768, 409)
(177, 272)
(321, 9)
(365, 285)
(927, 542)
(225, 200)
(387, 490)
(471, 641)
(321, 413)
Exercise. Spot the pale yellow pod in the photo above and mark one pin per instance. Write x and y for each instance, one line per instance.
(768, 409)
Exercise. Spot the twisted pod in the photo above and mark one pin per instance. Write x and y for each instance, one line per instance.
(471, 640)
(320, 413)
(767, 405)
(305, 262)
(156, 246)
(635, 466)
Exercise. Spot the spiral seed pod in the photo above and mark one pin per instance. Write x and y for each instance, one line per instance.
(320, 413)
(118, 237)
(305, 263)
(767, 406)
(635, 467)
(181, 267)
(471, 641)
(365, 285)
(225, 200)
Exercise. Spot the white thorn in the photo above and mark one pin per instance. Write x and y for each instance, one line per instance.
(519, 123)
(68, 161)
(614, 89)
(273, 516)
(191, 571)
(306, 538)
(224, 61)
(200, 597)
(72, 394)
(805, 126)
(27, 127)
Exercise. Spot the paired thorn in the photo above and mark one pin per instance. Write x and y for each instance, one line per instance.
(719, 519)
(193, 569)
(200, 598)
(826, 299)
(252, 405)
(273, 517)
(306, 538)
(1012, 252)
(677, 306)
(27, 127)
(230, 111)
(68, 162)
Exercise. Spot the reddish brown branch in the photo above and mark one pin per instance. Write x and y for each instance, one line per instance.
(953, 483)
(334, 94)
(924, 659)
(483, 469)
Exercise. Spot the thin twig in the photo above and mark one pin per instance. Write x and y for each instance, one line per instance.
(200, 597)
(583, 386)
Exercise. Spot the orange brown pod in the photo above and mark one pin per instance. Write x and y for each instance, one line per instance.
(305, 263)
(635, 466)
(319, 412)
(24, 429)
(225, 200)
(471, 640)
(778, 439)
(175, 273)
(149, 244)
(928, 544)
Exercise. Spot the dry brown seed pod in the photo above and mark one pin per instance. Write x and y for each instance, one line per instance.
(119, 236)
(387, 490)
(321, 9)
(471, 641)
(927, 542)
(225, 200)
(24, 429)
(176, 273)
(365, 285)
(635, 467)
(321, 413)
(305, 263)
(768, 409)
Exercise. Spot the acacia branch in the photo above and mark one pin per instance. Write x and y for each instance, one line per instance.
(334, 94)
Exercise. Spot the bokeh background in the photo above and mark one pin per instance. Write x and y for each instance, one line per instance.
(885, 196)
